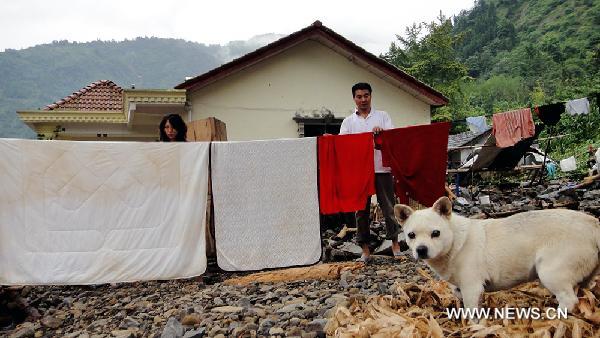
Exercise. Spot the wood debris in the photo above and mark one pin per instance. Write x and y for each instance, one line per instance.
(420, 310)
(315, 272)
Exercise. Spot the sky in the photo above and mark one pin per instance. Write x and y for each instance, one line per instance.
(371, 24)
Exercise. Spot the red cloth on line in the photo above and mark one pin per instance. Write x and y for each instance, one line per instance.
(418, 157)
(512, 126)
(346, 172)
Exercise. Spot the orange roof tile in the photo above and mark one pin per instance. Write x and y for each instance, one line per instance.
(99, 95)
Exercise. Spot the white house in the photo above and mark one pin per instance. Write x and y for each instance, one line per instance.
(301, 83)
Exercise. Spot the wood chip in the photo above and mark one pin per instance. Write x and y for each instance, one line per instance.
(419, 310)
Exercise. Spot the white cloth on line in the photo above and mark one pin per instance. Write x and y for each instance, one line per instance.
(101, 212)
(266, 203)
(568, 164)
(477, 124)
(578, 107)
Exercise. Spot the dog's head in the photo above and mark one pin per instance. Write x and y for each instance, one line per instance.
(428, 233)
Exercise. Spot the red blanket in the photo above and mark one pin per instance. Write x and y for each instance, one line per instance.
(418, 157)
(513, 126)
(346, 172)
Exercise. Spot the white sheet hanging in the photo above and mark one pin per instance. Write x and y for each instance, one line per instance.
(578, 107)
(99, 212)
(568, 164)
(266, 203)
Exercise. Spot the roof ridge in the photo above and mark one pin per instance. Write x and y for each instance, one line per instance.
(317, 28)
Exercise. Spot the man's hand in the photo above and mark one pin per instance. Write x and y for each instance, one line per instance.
(376, 130)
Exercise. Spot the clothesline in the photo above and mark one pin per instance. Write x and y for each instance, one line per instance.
(464, 120)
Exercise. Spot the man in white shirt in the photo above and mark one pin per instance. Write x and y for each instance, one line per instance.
(366, 119)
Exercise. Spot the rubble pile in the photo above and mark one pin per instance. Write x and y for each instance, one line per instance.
(506, 199)
(234, 306)
(476, 201)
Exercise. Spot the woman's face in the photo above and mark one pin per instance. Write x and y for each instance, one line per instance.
(170, 131)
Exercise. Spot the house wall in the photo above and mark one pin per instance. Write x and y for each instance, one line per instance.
(260, 101)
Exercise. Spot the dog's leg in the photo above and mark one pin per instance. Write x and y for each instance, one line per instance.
(560, 285)
(471, 293)
(455, 290)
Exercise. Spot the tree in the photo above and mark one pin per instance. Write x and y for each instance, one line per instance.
(432, 58)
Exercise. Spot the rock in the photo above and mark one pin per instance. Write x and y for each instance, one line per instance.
(265, 326)
(351, 248)
(276, 331)
(100, 323)
(227, 309)
(291, 308)
(51, 322)
(25, 330)
(316, 325)
(128, 322)
(129, 333)
(173, 329)
(199, 333)
(294, 332)
(191, 319)
(258, 312)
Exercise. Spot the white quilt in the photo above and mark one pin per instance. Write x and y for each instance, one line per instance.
(100, 212)
(266, 203)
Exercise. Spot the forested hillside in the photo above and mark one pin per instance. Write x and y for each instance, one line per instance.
(34, 77)
(508, 54)
(551, 41)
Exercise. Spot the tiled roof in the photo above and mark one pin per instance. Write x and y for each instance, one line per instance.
(98, 96)
(461, 139)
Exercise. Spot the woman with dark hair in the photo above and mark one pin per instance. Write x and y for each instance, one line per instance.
(172, 129)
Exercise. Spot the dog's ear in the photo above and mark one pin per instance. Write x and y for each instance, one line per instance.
(443, 207)
(402, 212)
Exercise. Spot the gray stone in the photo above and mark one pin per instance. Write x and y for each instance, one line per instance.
(265, 326)
(173, 329)
(128, 322)
(276, 331)
(51, 322)
(291, 308)
(26, 330)
(198, 333)
(317, 325)
(227, 309)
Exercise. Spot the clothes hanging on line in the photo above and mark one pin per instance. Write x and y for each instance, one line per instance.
(418, 158)
(568, 164)
(266, 206)
(512, 126)
(101, 213)
(578, 106)
(346, 172)
(550, 113)
(477, 124)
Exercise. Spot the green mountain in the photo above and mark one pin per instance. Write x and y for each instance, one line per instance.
(555, 43)
(34, 77)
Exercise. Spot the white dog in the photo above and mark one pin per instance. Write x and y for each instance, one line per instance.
(560, 247)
